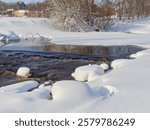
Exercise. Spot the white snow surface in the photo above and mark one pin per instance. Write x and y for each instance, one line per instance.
(123, 89)
(104, 66)
(66, 90)
(124, 33)
(20, 87)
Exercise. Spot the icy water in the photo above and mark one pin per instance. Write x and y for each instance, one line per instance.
(54, 62)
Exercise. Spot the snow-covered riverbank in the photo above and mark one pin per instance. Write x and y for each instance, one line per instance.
(124, 89)
(128, 33)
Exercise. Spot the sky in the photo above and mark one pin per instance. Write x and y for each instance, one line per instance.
(26, 1)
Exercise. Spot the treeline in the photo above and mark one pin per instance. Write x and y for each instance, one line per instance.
(79, 14)
(132, 8)
(38, 6)
(84, 15)
(4, 6)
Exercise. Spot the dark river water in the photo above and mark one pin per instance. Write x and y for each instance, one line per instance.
(55, 62)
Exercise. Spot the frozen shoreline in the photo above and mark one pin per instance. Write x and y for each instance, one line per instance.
(130, 34)
(124, 89)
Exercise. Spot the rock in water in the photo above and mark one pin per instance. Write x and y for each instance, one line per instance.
(23, 72)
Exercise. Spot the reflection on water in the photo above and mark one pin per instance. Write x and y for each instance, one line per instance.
(123, 51)
(44, 45)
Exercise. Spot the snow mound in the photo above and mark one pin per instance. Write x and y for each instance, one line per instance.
(119, 63)
(104, 66)
(71, 91)
(23, 72)
(138, 54)
(133, 56)
(106, 90)
(19, 87)
(87, 72)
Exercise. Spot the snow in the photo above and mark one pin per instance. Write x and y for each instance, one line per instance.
(71, 91)
(25, 27)
(20, 87)
(87, 72)
(23, 72)
(107, 90)
(125, 88)
(1, 37)
(104, 66)
(138, 54)
(12, 37)
(119, 63)
(121, 35)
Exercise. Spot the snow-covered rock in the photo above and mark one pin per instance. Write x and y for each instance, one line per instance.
(119, 63)
(83, 73)
(104, 66)
(23, 72)
(138, 54)
(133, 56)
(71, 91)
(42, 86)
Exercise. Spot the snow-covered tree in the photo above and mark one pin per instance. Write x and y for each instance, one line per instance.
(77, 15)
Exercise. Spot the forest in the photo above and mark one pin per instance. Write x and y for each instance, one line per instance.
(84, 15)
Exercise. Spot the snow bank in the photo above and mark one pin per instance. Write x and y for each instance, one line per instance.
(131, 79)
(35, 27)
(20, 87)
(87, 72)
(26, 27)
(71, 91)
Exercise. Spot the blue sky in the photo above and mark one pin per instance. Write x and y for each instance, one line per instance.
(26, 1)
